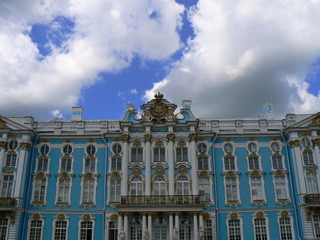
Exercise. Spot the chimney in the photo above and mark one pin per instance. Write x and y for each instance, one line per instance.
(77, 113)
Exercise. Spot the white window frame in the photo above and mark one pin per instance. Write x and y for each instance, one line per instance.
(237, 188)
(117, 159)
(94, 144)
(66, 219)
(316, 233)
(58, 190)
(188, 181)
(6, 226)
(313, 157)
(282, 162)
(12, 188)
(37, 163)
(95, 164)
(40, 146)
(137, 149)
(280, 147)
(209, 186)
(239, 218)
(71, 165)
(317, 182)
(266, 226)
(94, 190)
(291, 225)
(263, 195)
(93, 226)
(11, 152)
(29, 227)
(110, 200)
(142, 183)
(34, 190)
(164, 182)
(65, 144)
(259, 162)
(286, 188)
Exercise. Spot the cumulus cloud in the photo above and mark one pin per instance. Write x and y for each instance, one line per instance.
(104, 37)
(134, 91)
(245, 53)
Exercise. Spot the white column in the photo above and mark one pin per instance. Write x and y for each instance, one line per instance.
(176, 221)
(201, 221)
(298, 165)
(170, 225)
(316, 143)
(19, 184)
(125, 225)
(171, 163)
(125, 160)
(119, 224)
(150, 225)
(144, 224)
(3, 145)
(147, 138)
(194, 164)
(195, 225)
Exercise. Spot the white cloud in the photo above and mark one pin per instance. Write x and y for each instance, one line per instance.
(134, 91)
(105, 37)
(245, 53)
(57, 114)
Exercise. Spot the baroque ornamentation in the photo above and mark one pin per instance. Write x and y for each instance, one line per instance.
(136, 171)
(2, 123)
(3, 144)
(283, 202)
(36, 216)
(284, 213)
(316, 120)
(294, 143)
(234, 216)
(182, 143)
(61, 217)
(170, 137)
(260, 214)
(193, 137)
(258, 202)
(233, 203)
(25, 146)
(159, 143)
(86, 217)
(147, 137)
(316, 141)
(125, 138)
(63, 204)
(136, 143)
(182, 169)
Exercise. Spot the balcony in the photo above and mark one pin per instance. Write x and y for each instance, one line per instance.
(6, 202)
(162, 200)
(312, 198)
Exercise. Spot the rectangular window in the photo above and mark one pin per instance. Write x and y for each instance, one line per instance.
(229, 163)
(42, 165)
(4, 222)
(234, 229)
(116, 164)
(66, 165)
(159, 154)
(203, 163)
(260, 229)
(88, 191)
(231, 189)
(308, 158)
(204, 189)
(316, 225)
(254, 163)
(285, 228)
(39, 190)
(7, 186)
(113, 230)
(64, 190)
(182, 154)
(86, 230)
(35, 230)
(208, 233)
(136, 155)
(115, 190)
(312, 183)
(90, 165)
(256, 188)
(277, 162)
(280, 187)
(60, 230)
(11, 160)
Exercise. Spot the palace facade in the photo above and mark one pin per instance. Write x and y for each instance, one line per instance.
(160, 176)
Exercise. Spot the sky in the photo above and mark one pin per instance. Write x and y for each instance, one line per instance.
(229, 57)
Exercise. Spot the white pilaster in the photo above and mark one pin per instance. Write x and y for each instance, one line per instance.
(170, 225)
(144, 224)
(176, 221)
(125, 160)
(125, 225)
(3, 145)
(195, 225)
(150, 225)
(119, 224)
(171, 163)
(201, 221)
(147, 138)
(194, 164)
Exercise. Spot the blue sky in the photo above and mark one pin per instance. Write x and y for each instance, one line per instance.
(228, 57)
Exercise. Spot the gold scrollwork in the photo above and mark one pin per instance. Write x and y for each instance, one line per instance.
(283, 202)
(61, 217)
(294, 143)
(136, 143)
(258, 202)
(259, 214)
(234, 216)
(182, 169)
(284, 214)
(86, 217)
(182, 143)
(125, 138)
(36, 216)
(3, 144)
(316, 120)
(136, 171)
(25, 146)
(316, 141)
(2, 123)
(147, 137)
(192, 137)
(311, 169)
(159, 143)
(170, 137)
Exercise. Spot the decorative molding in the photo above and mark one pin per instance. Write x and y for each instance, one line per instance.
(316, 141)
(136, 171)
(38, 203)
(316, 120)
(182, 143)
(234, 216)
(87, 204)
(182, 169)
(25, 145)
(311, 169)
(62, 204)
(233, 203)
(294, 143)
(192, 137)
(2, 123)
(258, 202)
(147, 137)
(3, 144)
(36, 216)
(159, 143)
(171, 137)
(136, 143)
(284, 214)
(125, 138)
(61, 217)
(260, 214)
(159, 170)
(283, 202)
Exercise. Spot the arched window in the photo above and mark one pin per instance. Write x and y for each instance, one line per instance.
(115, 190)
(64, 190)
(182, 185)
(308, 157)
(228, 148)
(136, 186)
(88, 190)
(159, 185)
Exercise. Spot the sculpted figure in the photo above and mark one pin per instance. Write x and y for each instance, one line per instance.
(122, 235)
(146, 234)
(175, 234)
(201, 234)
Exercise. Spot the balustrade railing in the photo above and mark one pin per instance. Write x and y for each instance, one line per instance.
(161, 200)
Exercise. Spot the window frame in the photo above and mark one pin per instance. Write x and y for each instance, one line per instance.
(315, 181)
(139, 154)
(289, 216)
(238, 218)
(66, 219)
(68, 197)
(262, 189)
(113, 198)
(237, 188)
(30, 227)
(34, 190)
(266, 225)
(94, 189)
(11, 153)
(8, 187)
(4, 226)
(92, 220)
(285, 188)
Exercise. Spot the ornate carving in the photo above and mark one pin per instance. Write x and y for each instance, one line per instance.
(159, 170)
(283, 202)
(255, 174)
(125, 138)
(87, 204)
(159, 143)
(9, 171)
(182, 143)
(38, 204)
(274, 139)
(2, 123)
(170, 137)
(316, 141)
(279, 173)
(231, 174)
(137, 143)
(25, 146)
(311, 169)
(136, 171)
(252, 139)
(147, 137)
(192, 137)
(61, 217)
(115, 175)
(294, 143)
(64, 176)
(114, 217)
(91, 141)
(203, 174)
(3, 144)
(86, 217)
(36, 216)
(233, 203)
(284, 214)
(258, 202)
(182, 169)
(308, 213)
(68, 141)
(316, 120)
(276, 154)
(228, 139)
(63, 204)
(234, 216)
(40, 175)
(260, 214)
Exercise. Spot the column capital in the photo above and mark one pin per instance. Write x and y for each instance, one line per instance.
(193, 137)
(294, 143)
(3, 144)
(316, 141)
(25, 145)
(171, 137)
(147, 137)
(125, 138)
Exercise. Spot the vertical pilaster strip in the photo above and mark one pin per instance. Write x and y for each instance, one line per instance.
(171, 163)
(3, 146)
(147, 138)
(150, 225)
(144, 223)
(119, 224)
(194, 164)
(170, 225)
(125, 160)
(125, 225)
(195, 225)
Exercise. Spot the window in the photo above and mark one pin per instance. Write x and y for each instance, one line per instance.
(231, 189)
(228, 148)
(39, 190)
(7, 186)
(11, 159)
(277, 162)
(90, 165)
(44, 149)
(88, 190)
(256, 188)
(202, 148)
(159, 154)
(316, 225)
(204, 189)
(86, 230)
(65, 164)
(312, 184)
(13, 144)
(234, 229)
(42, 165)
(137, 154)
(275, 146)
(208, 231)
(91, 150)
(113, 230)
(182, 185)
(308, 158)
(159, 185)
(116, 164)
(35, 230)
(185, 228)
(229, 163)
(135, 229)
(253, 163)
(203, 163)
(60, 230)
(182, 154)
(115, 190)
(136, 186)
(305, 142)
(116, 148)
(67, 149)
(252, 147)
(160, 228)
(280, 187)
(260, 229)
(4, 222)
(64, 190)
(285, 228)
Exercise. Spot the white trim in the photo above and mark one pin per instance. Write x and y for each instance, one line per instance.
(286, 187)
(240, 225)
(82, 220)
(263, 197)
(291, 224)
(254, 217)
(29, 226)
(95, 178)
(13, 184)
(33, 191)
(54, 226)
(237, 187)
(67, 143)
(57, 190)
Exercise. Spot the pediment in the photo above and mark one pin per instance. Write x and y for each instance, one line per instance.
(10, 124)
(309, 121)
